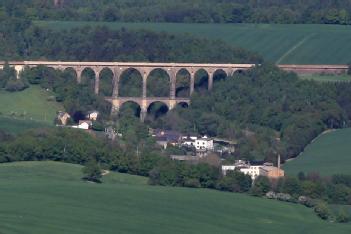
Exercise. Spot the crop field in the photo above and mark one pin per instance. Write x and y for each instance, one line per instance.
(329, 154)
(49, 197)
(282, 44)
(326, 77)
(32, 104)
(19, 125)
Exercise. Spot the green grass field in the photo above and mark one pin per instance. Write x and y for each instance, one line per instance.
(329, 154)
(49, 197)
(30, 104)
(18, 125)
(283, 44)
(326, 78)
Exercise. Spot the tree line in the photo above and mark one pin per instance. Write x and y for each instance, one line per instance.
(185, 11)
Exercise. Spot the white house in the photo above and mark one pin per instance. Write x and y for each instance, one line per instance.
(85, 124)
(187, 141)
(204, 143)
(92, 115)
(226, 168)
(253, 171)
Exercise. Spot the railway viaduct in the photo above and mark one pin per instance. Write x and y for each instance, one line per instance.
(172, 69)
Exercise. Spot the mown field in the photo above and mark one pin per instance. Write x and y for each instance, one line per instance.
(329, 154)
(32, 104)
(326, 77)
(49, 197)
(282, 44)
(18, 125)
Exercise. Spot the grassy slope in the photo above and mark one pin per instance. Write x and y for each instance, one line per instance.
(16, 125)
(328, 154)
(33, 102)
(48, 197)
(285, 44)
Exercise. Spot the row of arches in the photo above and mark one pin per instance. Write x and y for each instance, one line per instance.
(131, 82)
(153, 111)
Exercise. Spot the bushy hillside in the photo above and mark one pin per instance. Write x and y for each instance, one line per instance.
(267, 110)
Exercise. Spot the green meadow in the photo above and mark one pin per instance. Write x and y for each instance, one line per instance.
(329, 154)
(49, 197)
(277, 43)
(19, 125)
(32, 104)
(326, 77)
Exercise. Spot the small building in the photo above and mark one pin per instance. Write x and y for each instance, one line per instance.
(255, 169)
(271, 172)
(162, 141)
(63, 117)
(226, 168)
(85, 124)
(165, 137)
(204, 143)
(252, 171)
(189, 142)
(92, 115)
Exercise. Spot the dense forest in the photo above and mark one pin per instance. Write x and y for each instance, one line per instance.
(189, 11)
(267, 110)
(20, 40)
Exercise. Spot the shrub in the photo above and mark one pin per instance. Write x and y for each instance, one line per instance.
(98, 126)
(192, 183)
(14, 85)
(261, 186)
(92, 172)
(322, 210)
(342, 216)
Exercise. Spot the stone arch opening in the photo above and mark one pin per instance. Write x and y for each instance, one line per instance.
(70, 72)
(130, 83)
(201, 80)
(219, 75)
(37, 74)
(106, 82)
(183, 82)
(238, 72)
(158, 83)
(130, 108)
(183, 105)
(88, 77)
(156, 110)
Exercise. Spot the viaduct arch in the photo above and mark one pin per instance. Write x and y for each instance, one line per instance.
(172, 69)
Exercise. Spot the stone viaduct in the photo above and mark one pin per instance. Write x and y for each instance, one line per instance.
(172, 69)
